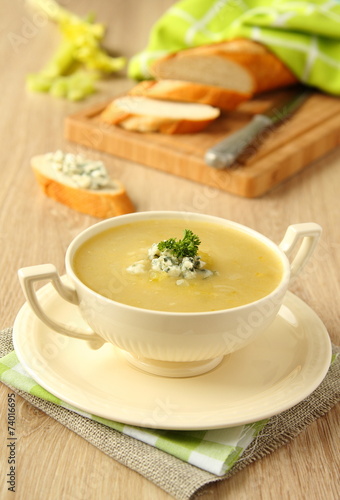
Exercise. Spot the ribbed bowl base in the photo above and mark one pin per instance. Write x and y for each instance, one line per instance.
(172, 369)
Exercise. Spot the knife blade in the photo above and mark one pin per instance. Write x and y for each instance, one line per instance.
(225, 153)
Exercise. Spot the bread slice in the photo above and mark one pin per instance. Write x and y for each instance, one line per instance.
(142, 114)
(239, 65)
(104, 202)
(177, 90)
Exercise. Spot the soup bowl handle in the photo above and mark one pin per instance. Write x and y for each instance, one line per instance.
(306, 235)
(30, 275)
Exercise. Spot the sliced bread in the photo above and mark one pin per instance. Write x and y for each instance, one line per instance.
(181, 91)
(142, 114)
(104, 201)
(239, 65)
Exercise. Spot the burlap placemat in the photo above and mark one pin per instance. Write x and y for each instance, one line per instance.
(179, 479)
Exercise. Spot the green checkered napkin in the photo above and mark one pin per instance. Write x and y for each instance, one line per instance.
(215, 451)
(304, 35)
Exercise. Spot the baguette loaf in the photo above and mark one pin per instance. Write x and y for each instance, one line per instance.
(181, 91)
(103, 202)
(142, 114)
(239, 65)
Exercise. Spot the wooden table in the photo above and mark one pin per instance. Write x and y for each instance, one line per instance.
(54, 463)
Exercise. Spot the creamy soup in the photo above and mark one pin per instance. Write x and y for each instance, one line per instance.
(243, 269)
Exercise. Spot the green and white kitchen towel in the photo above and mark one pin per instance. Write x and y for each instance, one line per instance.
(215, 451)
(305, 35)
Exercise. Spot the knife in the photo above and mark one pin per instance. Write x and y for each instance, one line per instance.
(226, 152)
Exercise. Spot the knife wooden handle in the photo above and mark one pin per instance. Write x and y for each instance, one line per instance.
(224, 153)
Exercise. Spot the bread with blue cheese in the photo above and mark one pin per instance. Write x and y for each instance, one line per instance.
(81, 184)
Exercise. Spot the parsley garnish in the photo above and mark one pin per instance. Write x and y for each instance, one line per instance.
(186, 247)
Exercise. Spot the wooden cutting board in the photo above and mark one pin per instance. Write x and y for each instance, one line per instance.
(277, 155)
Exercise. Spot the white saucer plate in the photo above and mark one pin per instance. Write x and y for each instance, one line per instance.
(276, 371)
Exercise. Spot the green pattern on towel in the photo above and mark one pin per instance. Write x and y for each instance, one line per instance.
(305, 35)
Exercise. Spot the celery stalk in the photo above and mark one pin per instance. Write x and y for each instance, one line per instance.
(79, 47)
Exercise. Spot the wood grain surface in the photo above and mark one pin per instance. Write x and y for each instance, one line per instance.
(278, 153)
(52, 462)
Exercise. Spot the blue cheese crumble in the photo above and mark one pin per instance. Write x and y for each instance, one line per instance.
(186, 268)
(84, 173)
